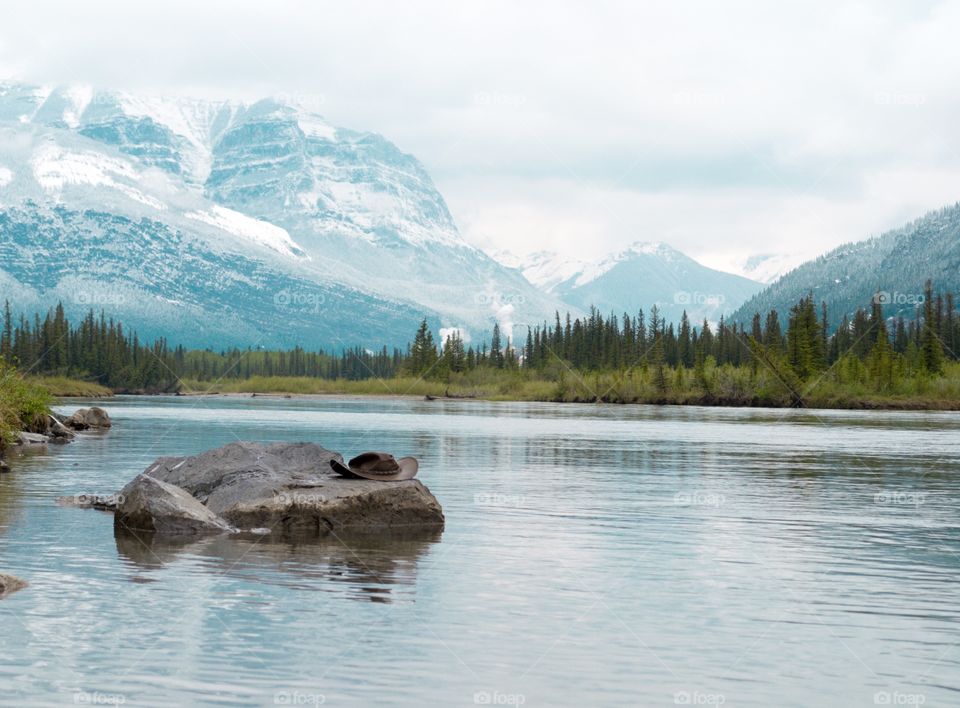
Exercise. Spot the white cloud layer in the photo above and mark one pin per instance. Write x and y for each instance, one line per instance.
(724, 129)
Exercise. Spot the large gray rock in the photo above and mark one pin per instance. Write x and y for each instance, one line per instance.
(10, 584)
(151, 505)
(86, 418)
(289, 489)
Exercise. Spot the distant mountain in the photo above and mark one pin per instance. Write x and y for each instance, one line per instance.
(891, 267)
(222, 223)
(643, 275)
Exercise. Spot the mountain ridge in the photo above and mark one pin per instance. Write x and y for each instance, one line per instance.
(316, 206)
(891, 267)
(643, 274)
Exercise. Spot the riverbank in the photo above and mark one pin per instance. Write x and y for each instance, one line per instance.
(736, 387)
(24, 406)
(723, 386)
(25, 403)
(63, 387)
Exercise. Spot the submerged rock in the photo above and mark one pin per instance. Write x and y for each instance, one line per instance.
(32, 439)
(287, 488)
(151, 505)
(10, 584)
(86, 418)
(101, 502)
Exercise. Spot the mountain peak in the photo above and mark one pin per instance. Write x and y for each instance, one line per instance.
(231, 222)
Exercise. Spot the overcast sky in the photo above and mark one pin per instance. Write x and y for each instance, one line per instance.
(725, 129)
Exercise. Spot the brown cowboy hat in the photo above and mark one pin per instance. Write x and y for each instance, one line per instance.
(378, 465)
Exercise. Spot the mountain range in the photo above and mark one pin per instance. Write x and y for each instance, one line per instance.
(219, 223)
(229, 223)
(641, 276)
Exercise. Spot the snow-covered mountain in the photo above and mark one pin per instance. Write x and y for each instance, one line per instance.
(219, 223)
(643, 275)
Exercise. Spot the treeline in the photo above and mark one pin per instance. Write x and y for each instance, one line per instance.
(865, 346)
(102, 350)
(804, 342)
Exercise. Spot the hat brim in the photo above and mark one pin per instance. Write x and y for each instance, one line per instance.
(408, 470)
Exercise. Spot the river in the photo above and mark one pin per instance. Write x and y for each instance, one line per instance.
(593, 555)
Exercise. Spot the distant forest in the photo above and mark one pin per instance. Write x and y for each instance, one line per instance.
(102, 350)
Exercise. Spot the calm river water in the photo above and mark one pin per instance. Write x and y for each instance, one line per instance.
(593, 555)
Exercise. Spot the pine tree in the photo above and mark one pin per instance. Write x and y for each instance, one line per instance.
(931, 351)
(496, 348)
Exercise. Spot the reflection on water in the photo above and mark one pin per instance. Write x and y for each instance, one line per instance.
(368, 566)
(592, 555)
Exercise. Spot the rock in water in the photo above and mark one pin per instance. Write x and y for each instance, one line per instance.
(10, 584)
(86, 418)
(290, 489)
(154, 506)
(32, 439)
(100, 502)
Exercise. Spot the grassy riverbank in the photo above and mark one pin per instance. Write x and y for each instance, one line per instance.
(713, 385)
(63, 387)
(24, 404)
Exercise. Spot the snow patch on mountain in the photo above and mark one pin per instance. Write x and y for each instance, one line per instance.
(189, 119)
(316, 127)
(595, 270)
(6, 176)
(77, 97)
(55, 168)
(546, 269)
(768, 267)
(261, 232)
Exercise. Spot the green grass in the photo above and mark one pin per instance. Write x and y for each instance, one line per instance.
(23, 404)
(304, 385)
(717, 385)
(60, 386)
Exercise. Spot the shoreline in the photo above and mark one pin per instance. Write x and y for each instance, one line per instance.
(945, 406)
